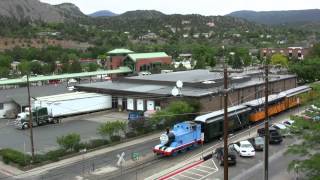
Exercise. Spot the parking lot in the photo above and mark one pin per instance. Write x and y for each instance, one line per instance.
(45, 136)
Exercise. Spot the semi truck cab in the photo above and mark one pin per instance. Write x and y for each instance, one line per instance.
(39, 117)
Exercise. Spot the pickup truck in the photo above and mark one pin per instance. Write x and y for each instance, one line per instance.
(274, 135)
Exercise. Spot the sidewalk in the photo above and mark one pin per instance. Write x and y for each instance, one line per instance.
(17, 173)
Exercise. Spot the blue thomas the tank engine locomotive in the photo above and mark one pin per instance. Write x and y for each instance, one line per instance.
(184, 135)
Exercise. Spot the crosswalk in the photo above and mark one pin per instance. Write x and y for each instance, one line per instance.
(199, 172)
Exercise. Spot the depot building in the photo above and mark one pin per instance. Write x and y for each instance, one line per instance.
(154, 92)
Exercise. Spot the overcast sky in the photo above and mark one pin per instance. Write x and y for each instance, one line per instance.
(204, 7)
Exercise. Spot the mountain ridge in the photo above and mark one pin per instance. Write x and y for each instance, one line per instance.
(102, 13)
(279, 17)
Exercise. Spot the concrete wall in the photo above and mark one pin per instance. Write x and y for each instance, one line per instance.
(8, 106)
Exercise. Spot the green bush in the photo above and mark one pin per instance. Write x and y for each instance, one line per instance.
(115, 138)
(131, 134)
(55, 154)
(94, 143)
(16, 157)
(69, 142)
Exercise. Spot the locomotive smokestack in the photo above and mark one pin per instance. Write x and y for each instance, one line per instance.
(168, 130)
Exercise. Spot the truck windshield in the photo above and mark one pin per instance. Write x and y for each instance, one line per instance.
(259, 140)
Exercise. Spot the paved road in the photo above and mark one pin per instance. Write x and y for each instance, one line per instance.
(80, 169)
(252, 168)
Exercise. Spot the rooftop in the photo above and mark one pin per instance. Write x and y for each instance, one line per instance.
(196, 83)
(137, 56)
(120, 51)
(193, 76)
(68, 96)
(64, 76)
(20, 95)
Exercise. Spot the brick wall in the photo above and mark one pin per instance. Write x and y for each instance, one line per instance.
(150, 61)
(115, 62)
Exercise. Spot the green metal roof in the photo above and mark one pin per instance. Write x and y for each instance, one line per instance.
(137, 56)
(120, 51)
(65, 76)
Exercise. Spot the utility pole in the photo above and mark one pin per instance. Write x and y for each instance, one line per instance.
(266, 125)
(30, 118)
(225, 124)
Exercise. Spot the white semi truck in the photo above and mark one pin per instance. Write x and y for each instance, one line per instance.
(50, 109)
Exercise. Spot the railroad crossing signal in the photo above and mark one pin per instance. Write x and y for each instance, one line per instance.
(121, 159)
(135, 156)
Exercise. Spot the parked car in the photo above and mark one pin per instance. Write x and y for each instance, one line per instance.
(274, 136)
(244, 148)
(288, 122)
(279, 126)
(232, 157)
(257, 143)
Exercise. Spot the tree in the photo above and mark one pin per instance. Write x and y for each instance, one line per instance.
(176, 111)
(36, 67)
(4, 72)
(92, 67)
(235, 61)
(279, 59)
(69, 142)
(24, 67)
(5, 61)
(110, 129)
(309, 132)
(75, 67)
(306, 70)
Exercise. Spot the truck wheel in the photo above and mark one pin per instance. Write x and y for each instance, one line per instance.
(55, 121)
(24, 126)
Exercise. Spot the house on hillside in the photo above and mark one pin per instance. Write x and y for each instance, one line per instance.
(290, 52)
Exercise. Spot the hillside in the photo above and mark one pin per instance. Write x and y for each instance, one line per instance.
(103, 13)
(279, 17)
(34, 10)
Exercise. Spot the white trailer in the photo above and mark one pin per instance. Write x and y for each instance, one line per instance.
(74, 103)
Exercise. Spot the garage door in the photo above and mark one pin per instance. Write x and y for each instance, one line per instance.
(130, 105)
(140, 105)
(150, 105)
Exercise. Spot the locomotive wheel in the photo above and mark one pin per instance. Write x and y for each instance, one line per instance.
(175, 153)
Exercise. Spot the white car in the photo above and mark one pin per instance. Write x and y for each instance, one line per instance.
(244, 148)
(288, 122)
(279, 126)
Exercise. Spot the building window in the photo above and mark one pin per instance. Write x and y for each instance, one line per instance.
(1, 106)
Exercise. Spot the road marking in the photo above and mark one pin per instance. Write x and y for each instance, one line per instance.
(201, 170)
(186, 176)
(188, 172)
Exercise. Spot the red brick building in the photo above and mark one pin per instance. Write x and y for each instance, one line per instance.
(146, 61)
(290, 52)
(116, 58)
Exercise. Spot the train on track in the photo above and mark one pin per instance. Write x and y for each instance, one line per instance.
(208, 127)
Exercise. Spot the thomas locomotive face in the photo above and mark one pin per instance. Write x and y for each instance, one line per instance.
(164, 138)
